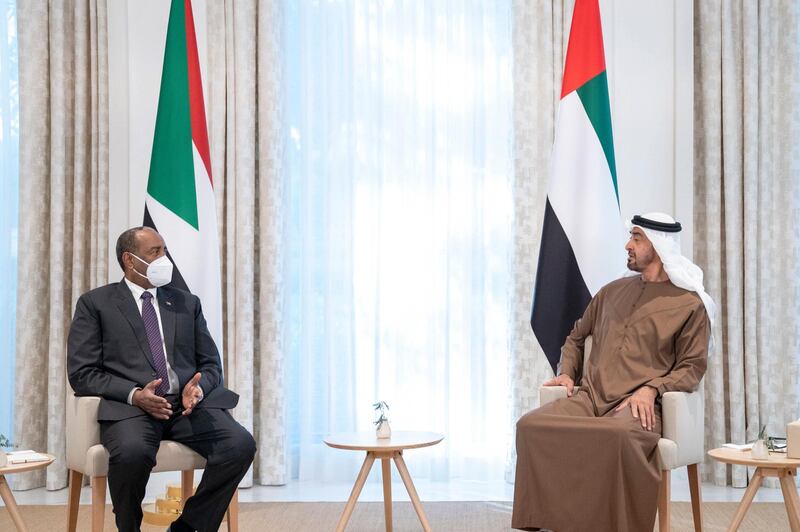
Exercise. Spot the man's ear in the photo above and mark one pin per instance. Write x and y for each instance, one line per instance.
(126, 260)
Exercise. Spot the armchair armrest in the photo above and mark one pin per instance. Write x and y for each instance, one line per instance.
(548, 394)
(82, 429)
(682, 422)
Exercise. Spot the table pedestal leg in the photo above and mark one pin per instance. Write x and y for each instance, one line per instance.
(790, 499)
(755, 482)
(11, 504)
(360, 480)
(412, 492)
(386, 465)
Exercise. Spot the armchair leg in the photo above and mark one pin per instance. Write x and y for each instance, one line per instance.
(187, 485)
(98, 503)
(233, 513)
(74, 500)
(697, 502)
(663, 502)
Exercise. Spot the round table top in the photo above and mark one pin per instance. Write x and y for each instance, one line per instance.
(734, 456)
(368, 441)
(28, 466)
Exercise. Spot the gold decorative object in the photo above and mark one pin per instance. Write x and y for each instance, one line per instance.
(166, 509)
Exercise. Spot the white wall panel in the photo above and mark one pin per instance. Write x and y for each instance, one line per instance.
(649, 46)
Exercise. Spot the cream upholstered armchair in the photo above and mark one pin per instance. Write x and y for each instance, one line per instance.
(681, 444)
(86, 456)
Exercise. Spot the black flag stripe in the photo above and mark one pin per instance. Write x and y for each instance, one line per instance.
(560, 295)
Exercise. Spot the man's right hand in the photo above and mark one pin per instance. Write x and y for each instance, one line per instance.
(153, 404)
(561, 380)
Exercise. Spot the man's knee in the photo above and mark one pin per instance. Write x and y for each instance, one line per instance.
(247, 444)
(629, 427)
(529, 423)
(133, 452)
(241, 445)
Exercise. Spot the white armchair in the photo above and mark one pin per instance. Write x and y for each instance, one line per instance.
(681, 444)
(86, 456)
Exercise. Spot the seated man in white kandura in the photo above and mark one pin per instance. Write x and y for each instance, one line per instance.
(589, 461)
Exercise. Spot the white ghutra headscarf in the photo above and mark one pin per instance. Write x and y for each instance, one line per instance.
(663, 231)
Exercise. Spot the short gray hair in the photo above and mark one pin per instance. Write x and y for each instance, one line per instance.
(127, 241)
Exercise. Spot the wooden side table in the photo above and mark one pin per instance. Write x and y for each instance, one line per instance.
(5, 490)
(386, 450)
(778, 465)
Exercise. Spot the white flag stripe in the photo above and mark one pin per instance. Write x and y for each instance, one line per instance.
(196, 252)
(582, 195)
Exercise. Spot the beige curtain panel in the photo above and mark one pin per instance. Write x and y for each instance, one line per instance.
(540, 33)
(244, 136)
(747, 163)
(63, 226)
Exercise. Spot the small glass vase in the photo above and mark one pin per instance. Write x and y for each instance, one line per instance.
(760, 450)
(384, 431)
(3, 458)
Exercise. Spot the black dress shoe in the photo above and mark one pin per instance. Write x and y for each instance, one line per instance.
(179, 526)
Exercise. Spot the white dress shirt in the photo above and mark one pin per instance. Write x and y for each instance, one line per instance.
(137, 292)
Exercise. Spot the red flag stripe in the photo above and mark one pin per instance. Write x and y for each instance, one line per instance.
(585, 55)
(196, 102)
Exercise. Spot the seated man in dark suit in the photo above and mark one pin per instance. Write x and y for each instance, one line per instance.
(145, 349)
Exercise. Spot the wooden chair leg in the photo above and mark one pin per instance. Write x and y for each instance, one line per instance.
(233, 513)
(697, 501)
(187, 485)
(74, 500)
(663, 502)
(98, 503)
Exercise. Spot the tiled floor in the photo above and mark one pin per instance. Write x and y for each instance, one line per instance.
(429, 491)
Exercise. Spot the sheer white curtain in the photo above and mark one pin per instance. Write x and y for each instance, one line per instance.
(398, 210)
(9, 201)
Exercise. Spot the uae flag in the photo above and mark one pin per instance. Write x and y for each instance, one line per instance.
(582, 235)
(180, 196)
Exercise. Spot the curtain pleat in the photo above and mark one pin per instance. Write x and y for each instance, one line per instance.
(63, 215)
(540, 34)
(244, 109)
(747, 199)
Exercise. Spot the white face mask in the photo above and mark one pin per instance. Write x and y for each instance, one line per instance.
(159, 272)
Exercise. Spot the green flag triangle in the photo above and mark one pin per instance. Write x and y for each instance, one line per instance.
(171, 179)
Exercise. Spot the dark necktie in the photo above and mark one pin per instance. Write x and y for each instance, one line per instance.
(150, 320)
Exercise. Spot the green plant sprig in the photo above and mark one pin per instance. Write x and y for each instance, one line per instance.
(381, 407)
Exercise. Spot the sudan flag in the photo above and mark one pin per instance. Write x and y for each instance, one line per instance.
(180, 196)
(582, 235)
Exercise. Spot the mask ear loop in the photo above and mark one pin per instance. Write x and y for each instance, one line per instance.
(140, 260)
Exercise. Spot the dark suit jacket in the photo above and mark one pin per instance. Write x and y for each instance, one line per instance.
(108, 353)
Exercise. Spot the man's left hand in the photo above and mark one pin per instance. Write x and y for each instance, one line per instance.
(642, 404)
(192, 394)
